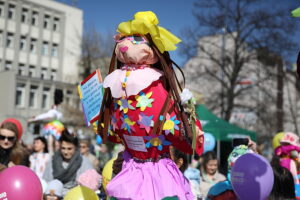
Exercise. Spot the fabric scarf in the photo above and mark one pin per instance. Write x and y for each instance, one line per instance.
(66, 174)
(5, 156)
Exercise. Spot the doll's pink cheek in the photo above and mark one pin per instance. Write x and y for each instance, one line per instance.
(124, 49)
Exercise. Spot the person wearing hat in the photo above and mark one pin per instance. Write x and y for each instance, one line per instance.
(11, 150)
(224, 189)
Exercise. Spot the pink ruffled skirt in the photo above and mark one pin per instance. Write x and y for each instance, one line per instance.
(149, 181)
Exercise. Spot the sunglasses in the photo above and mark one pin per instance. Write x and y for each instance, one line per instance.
(11, 139)
(135, 39)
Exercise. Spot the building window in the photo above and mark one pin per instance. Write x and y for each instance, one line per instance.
(10, 40)
(24, 15)
(44, 73)
(21, 69)
(69, 97)
(31, 71)
(46, 21)
(45, 49)
(53, 74)
(1, 8)
(35, 18)
(54, 50)
(8, 65)
(20, 94)
(23, 43)
(33, 96)
(33, 45)
(46, 97)
(56, 24)
(11, 11)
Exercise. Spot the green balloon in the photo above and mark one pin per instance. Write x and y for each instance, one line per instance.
(296, 12)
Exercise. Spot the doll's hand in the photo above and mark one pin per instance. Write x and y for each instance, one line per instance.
(199, 134)
(31, 120)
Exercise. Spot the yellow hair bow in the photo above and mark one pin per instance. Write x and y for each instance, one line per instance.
(146, 22)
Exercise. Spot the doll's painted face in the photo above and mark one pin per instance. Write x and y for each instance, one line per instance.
(134, 49)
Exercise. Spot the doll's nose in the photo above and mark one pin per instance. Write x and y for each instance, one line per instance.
(123, 49)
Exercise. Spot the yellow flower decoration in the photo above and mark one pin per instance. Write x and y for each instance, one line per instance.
(144, 100)
(146, 23)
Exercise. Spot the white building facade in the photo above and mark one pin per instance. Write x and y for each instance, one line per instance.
(203, 75)
(40, 49)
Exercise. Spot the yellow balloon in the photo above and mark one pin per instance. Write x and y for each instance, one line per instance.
(81, 193)
(107, 172)
(276, 140)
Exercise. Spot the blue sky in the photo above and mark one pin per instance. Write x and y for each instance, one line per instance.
(175, 15)
(105, 16)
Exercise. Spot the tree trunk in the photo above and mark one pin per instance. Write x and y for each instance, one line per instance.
(279, 99)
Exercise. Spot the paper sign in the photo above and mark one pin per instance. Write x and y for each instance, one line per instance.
(91, 94)
(135, 143)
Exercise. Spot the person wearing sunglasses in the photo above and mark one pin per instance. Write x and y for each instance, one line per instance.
(11, 150)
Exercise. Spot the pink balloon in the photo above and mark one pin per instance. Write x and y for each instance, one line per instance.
(19, 183)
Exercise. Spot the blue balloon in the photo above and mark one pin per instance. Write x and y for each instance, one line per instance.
(98, 139)
(209, 142)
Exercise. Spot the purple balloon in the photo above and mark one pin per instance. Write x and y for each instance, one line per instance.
(252, 177)
(19, 183)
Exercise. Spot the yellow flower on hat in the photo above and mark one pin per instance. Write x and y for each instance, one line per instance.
(147, 23)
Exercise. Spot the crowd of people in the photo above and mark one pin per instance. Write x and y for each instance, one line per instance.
(145, 108)
(71, 164)
(75, 163)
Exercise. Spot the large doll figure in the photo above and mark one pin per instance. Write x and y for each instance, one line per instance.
(142, 109)
(288, 152)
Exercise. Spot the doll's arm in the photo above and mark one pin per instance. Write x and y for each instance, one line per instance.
(183, 145)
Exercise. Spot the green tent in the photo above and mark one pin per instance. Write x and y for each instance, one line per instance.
(221, 129)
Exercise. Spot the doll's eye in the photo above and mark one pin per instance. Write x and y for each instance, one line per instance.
(138, 38)
(234, 154)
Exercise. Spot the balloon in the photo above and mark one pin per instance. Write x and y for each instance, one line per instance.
(209, 142)
(81, 193)
(252, 177)
(19, 183)
(98, 139)
(54, 128)
(107, 172)
(276, 140)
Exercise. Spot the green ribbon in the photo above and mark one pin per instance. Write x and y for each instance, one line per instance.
(296, 12)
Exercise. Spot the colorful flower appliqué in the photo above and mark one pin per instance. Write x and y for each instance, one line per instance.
(170, 124)
(156, 141)
(145, 121)
(125, 105)
(144, 101)
(127, 124)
